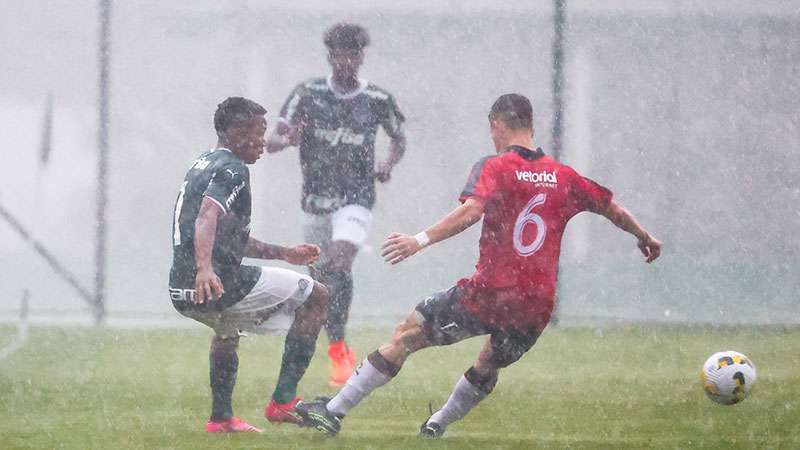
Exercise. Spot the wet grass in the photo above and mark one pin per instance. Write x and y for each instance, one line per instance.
(622, 387)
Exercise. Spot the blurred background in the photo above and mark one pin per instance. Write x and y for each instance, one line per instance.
(686, 110)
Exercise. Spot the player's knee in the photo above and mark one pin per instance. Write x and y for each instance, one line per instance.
(319, 295)
(483, 378)
(224, 344)
(342, 255)
(409, 339)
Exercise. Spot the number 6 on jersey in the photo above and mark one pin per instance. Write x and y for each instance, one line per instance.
(525, 217)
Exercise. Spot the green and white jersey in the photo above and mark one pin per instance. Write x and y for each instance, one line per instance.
(224, 178)
(337, 151)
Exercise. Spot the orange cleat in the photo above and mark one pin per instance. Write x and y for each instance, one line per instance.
(283, 412)
(344, 361)
(232, 425)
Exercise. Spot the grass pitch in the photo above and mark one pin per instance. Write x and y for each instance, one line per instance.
(623, 387)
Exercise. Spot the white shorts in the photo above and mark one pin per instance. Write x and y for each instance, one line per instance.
(350, 223)
(268, 308)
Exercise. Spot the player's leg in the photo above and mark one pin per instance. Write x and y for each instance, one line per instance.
(224, 365)
(282, 300)
(380, 366)
(433, 322)
(377, 369)
(338, 274)
(349, 229)
(298, 349)
(223, 369)
(318, 229)
(500, 350)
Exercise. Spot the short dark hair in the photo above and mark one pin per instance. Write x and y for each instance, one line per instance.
(514, 110)
(233, 110)
(347, 36)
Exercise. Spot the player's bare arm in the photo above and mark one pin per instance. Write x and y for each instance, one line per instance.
(621, 217)
(298, 255)
(398, 246)
(207, 286)
(397, 148)
(285, 135)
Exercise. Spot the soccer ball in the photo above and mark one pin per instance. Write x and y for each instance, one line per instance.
(728, 377)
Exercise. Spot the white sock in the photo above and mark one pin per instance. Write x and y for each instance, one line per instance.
(465, 396)
(361, 383)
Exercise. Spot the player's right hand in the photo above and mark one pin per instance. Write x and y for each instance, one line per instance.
(398, 247)
(650, 248)
(207, 286)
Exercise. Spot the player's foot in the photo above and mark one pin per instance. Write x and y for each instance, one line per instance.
(283, 412)
(315, 414)
(343, 361)
(232, 425)
(430, 430)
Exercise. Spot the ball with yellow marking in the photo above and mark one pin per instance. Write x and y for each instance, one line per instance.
(728, 377)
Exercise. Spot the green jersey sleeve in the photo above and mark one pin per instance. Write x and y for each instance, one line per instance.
(392, 119)
(296, 107)
(225, 186)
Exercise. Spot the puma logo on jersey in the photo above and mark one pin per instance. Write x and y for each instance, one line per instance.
(542, 177)
(339, 135)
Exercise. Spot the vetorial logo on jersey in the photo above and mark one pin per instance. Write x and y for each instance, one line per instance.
(340, 135)
(543, 178)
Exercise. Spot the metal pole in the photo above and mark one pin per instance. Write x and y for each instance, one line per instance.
(104, 57)
(559, 23)
(60, 269)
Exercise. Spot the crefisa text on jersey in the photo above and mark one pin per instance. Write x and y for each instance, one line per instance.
(543, 178)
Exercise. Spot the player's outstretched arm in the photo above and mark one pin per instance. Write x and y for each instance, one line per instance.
(621, 217)
(299, 255)
(285, 135)
(398, 246)
(397, 148)
(207, 284)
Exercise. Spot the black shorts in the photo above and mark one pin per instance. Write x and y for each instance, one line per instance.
(445, 321)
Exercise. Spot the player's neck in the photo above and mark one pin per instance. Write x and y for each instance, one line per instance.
(224, 144)
(522, 140)
(345, 84)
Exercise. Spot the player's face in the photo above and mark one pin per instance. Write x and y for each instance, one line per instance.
(247, 139)
(345, 62)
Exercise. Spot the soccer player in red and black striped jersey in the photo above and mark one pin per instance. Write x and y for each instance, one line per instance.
(526, 199)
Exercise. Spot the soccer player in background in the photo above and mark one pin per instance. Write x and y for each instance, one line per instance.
(334, 121)
(526, 200)
(208, 283)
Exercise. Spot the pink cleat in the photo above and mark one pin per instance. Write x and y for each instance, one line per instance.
(283, 412)
(232, 425)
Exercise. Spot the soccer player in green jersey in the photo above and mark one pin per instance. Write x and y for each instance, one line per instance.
(209, 283)
(334, 121)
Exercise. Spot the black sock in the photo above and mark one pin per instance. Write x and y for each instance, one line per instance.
(340, 285)
(224, 364)
(297, 353)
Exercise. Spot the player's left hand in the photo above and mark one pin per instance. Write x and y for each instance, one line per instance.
(398, 247)
(301, 255)
(383, 172)
(650, 247)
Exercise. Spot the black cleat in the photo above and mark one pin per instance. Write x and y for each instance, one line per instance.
(428, 429)
(316, 415)
(431, 430)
